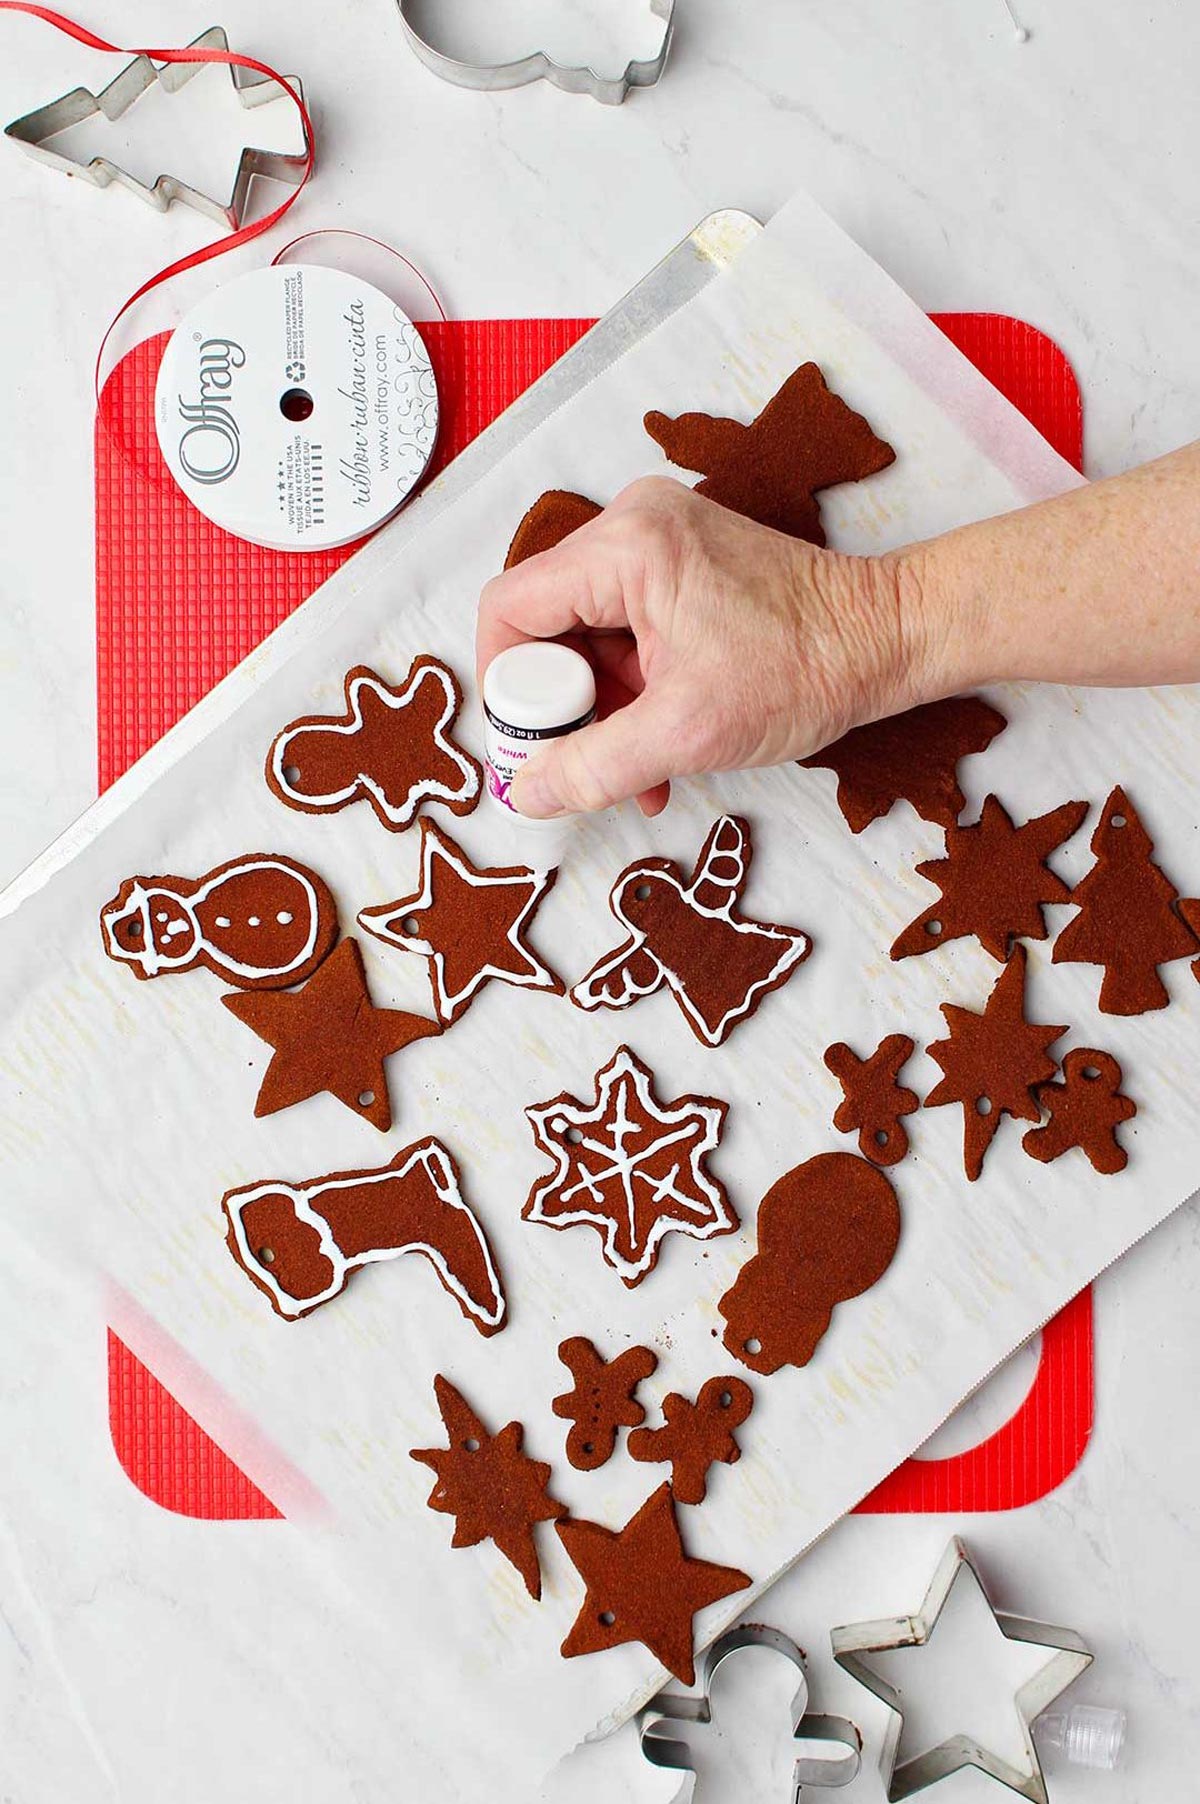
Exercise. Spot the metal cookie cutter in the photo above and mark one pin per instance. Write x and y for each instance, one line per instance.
(489, 77)
(34, 131)
(1068, 1657)
(828, 1748)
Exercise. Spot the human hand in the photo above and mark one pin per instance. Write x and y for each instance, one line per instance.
(717, 644)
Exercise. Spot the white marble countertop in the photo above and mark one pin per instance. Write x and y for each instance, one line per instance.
(1053, 180)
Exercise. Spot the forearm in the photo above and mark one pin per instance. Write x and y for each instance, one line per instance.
(1100, 586)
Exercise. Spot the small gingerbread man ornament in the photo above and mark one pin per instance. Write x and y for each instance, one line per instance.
(601, 1400)
(1085, 1108)
(874, 1101)
(696, 1435)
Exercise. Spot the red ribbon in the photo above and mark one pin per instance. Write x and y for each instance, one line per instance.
(231, 59)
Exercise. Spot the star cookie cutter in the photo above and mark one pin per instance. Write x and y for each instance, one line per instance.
(35, 131)
(828, 1749)
(1068, 1658)
(489, 78)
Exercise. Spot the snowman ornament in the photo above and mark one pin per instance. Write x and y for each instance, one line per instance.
(260, 922)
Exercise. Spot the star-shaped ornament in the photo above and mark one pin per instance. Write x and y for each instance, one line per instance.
(489, 1484)
(994, 881)
(630, 1166)
(329, 1036)
(1066, 1658)
(993, 1062)
(469, 923)
(642, 1586)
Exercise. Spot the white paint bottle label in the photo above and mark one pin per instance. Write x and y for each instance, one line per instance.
(531, 694)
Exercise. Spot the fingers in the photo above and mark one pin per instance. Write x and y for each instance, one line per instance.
(574, 587)
(628, 754)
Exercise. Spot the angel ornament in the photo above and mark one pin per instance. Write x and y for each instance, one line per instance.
(690, 935)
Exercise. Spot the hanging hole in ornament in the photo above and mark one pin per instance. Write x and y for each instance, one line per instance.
(574, 1135)
(291, 775)
(296, 404)
(881, 1136)
(265, 1255)
(470, 1445)
(365, 1098)
(1091, 1072)
(933, 928)
(589, 1446)
(726, 1399)
(983, 1105)
(753, 1346)
(1117, 820)
(607, 1618)
(642, 892)
(410, 926)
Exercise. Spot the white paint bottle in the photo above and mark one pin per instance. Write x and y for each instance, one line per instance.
(532, 693)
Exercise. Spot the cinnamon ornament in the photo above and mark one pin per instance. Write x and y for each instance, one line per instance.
(328, 1036)
(1127, 918)
(993, 1062)
(489, 1484)
(805, 439)
(827, 1231)
(551, 518)
(994, 881)
(642, 1586)
(873, 1098)
(696, 1435)
(601, 1399)
(912, 757)
(1085, 1108)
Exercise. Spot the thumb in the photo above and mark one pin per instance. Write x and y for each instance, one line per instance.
(610, 761)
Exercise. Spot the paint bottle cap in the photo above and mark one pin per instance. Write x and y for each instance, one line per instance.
(532, 693)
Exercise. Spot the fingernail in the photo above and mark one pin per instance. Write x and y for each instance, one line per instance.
(533, 796)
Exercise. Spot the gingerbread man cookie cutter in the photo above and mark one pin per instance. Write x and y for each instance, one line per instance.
(828, 1749)
(490, 78)
(33, 132)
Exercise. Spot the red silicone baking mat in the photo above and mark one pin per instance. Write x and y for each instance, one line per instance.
(179, 603)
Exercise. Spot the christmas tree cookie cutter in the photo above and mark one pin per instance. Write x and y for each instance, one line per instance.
(828, 1749)
(489, 78)
(35, 132)
(1067, 1657)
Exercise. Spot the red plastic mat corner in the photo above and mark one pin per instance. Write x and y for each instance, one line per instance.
(179, 603)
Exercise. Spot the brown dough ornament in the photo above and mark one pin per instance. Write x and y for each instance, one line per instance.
(489, 1484)
(391, 747)
(470, 923)
(329, 1036)
(299, 1243)
(1086, 1108)
(806, 438)
(874, 1099)
(696, 1435)
(260, 922)
(993, 1062)
(629, 1166)
(913, 757)
(601, 1400)
(551, 518)
(642, 1586)
(1127, 920)
(690, 935)
(827, 1231)
(994, 881)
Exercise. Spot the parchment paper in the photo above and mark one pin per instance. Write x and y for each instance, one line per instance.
(126, 1108)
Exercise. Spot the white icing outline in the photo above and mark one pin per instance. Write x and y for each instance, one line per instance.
(386, 923)
(153, 962)
(364, 786)
(442, 1175)
(796, 945)
(706, 1118)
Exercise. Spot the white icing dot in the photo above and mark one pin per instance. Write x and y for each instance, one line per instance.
(254, 921)
(161, 915)
(222, 920)
(284, 918)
